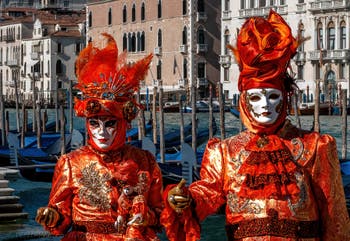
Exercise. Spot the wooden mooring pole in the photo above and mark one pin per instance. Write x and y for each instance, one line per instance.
(154, 115)
(344, 124)
(317, 107)
(161, 126)
(210, 111)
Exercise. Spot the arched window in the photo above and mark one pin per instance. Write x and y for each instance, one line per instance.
(319, 37)
(184, 7)
(159, 38)
(138, 42)
(143, 41)
(184, 36)
(200, 6)
(109, 16)
(342, 44)
(159, 8)
(133, 43)
(124, 14)
(125, 42)
(129, 43)
(252, 3)
(90, 19)
(242, 4)
(330, 86)
(226, 40)
(143, 11)
(133, 13)
(330, 36)
(159, 70)
(184, 67)
(262, 3)
(201, 38)
(59, 67)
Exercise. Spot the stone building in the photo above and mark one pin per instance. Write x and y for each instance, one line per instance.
(324, 57)
(184, 37)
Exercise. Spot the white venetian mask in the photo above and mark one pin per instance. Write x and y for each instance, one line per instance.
(103, 130)
(264, 104)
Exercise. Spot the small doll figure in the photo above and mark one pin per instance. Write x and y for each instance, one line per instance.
(133, 209)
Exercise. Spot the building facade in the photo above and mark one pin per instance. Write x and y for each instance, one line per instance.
(324, 57)
(38, 53)
(184, 37)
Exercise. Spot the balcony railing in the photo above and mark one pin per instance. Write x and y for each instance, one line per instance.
(183, 49)
(158, 50)
(330, 5)
(339, 54)
(226, 15)
(182, 83)
(202, 48)
(225, 61)
(13, 63)
(264, 11)
(202, 82)
(301, 7)
(34, 55)
(201, 16)
(300, 57)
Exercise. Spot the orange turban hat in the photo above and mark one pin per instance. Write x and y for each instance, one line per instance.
(264, 49)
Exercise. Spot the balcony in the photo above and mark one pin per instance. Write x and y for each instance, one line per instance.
(330, 55)
(301, 7)
(13, 63)
(158, 51)
(264, 11)
(11, 83)
(9, 38)
(225, 61)
(201, 16)
(34, 55)
(202, 48)
(300, 57)
(183, 49)
(182, 83)
(202, 82)
(226, 15)
(329, 6)
(156, 82)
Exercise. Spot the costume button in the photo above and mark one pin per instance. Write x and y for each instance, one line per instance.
(298, 227)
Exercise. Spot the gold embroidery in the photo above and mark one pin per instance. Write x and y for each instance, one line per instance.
(94, 187)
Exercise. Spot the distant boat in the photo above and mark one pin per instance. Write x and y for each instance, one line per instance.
(234, 111)
(309, 109)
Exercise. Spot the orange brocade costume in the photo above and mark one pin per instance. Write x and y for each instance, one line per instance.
(277, 182)
(315, 207)
(86, 187)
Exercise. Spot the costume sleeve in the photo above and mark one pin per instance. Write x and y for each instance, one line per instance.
(329, 191)
(61, 195)
(207, 198)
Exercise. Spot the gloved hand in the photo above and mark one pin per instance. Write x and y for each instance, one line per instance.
(48, 217)
(179, 197)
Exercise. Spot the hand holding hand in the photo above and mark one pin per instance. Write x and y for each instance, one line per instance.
(48, 217)
(179, 197)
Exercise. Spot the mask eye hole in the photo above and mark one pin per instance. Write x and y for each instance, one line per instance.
(254, 98)
(274, 96)
(111, 123)
(94, 123)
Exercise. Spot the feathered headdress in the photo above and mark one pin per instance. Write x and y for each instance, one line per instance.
(107, 82)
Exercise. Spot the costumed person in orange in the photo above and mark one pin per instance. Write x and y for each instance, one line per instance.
(277, 182)
(88, 182)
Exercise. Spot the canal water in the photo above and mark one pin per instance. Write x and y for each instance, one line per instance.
(35, 194)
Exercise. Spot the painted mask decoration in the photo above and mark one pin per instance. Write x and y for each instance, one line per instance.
(264, 104)
(102, 130)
